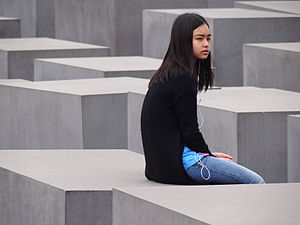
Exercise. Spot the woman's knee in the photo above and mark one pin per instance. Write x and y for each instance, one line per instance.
(258, 180)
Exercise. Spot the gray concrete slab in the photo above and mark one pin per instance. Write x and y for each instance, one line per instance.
(293, 143)
(275, 6)
(231, 28)
(3, 81)
(113, 23)
(65, 187)
(251, 125)
(95, 67)
(225, 3)
(90, 113)
(199, 205)
(37, 17)
(272, 65)
(9, 27)
(17, 54)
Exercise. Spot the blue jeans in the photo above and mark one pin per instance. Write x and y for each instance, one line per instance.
(212, 170)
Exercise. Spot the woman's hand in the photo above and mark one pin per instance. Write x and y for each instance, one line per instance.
(223, 156)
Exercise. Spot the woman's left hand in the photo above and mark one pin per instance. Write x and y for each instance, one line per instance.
(223, 156)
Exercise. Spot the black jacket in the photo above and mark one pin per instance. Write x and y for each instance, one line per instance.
(168, 123)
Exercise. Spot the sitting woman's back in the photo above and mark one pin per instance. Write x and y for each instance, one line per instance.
(164, 135)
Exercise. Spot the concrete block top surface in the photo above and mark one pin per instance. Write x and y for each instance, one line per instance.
(227, 204)
(87, 86)
(110, 64)
(288, 46)
(294, 116)
(36, 44)
(227, 13)
(8, 18)
(283, 6)
(10, 81)
(251, 99)
(78, 169)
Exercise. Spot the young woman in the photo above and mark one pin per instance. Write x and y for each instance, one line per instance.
(174, 148)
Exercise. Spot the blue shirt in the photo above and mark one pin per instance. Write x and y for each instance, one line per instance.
(190, 157)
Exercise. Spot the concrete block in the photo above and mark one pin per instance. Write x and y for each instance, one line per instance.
(64, 187)
(293, 143)
(90, 113)
(113, 23)
(246, 122)
(275, 6)
(37, 16)
(231, 28)
(17, 55)
(251, 125)
(198, 205)
(9, 27)
(274, 65)
(81, 68)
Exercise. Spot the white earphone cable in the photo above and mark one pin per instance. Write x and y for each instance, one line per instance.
(199, 160)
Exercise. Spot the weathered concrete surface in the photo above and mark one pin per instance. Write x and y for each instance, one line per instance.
(17, 54)
(9, 27)
(135, 102)
(90, 113)
(251, 125)
(274, 65)
(64, 187)
(231, 28)
(275, 6)
(37, 16)
(199, 205)
(113, 23)
(95, 67)
(293, 143)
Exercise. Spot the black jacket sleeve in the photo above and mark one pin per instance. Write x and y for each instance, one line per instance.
(184, 92)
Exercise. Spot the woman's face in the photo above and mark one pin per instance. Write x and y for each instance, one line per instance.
(201, 41)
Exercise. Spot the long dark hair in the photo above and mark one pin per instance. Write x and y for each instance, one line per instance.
(180, 53)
